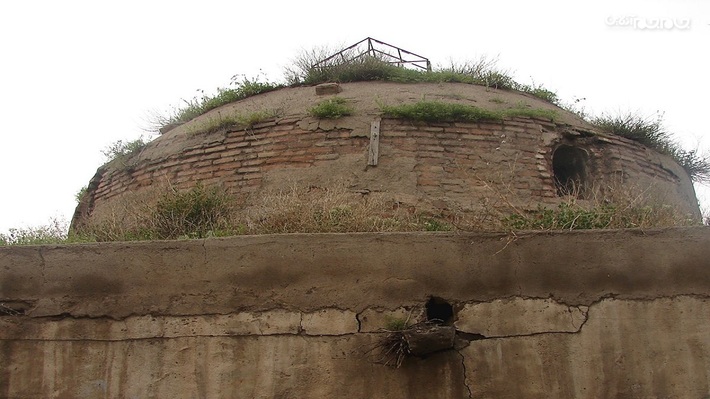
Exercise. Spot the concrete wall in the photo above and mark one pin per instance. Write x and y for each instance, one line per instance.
(593, 314)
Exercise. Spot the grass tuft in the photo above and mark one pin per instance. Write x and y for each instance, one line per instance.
(196, 213)
(332, 108)
(240, 88)
(123, 149)
(436, 111)
(618, 205)
(213, 212)
(483, 71)
(205, 212)
(246, 121)
(177, 214)
(331, 209)
(397, 324)
(651, 133)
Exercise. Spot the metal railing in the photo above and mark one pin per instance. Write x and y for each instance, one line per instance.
(379, 50)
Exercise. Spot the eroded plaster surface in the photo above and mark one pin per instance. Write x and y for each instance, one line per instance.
(546, 315)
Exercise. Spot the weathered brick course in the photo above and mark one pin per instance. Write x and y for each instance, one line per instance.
(449, 159)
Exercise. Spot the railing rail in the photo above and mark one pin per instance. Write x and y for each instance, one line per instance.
(380, 50)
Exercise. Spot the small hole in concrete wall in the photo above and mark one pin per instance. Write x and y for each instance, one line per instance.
(569, 165)
(439, 311)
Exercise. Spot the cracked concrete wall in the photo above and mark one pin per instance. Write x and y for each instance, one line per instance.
(555, 315)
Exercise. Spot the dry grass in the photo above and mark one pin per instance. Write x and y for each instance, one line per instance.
(167, 213)
(616, 205)
(164, 212)
(332, 209)
(237, 121)
(212, 212)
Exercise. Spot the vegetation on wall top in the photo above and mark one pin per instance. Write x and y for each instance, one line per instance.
(483, 71)
(437, 111)
(346, 216)
(121, 149)
(479, 72)
(651, 133)
(202, 212)
(331, 108)
(239, 88)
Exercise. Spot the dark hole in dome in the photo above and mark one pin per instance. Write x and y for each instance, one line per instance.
(569, 165)
(439, 311)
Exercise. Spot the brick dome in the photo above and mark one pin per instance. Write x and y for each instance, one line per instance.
(434, 167)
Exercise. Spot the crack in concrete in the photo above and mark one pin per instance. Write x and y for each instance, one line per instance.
(300, 330)
(586, 319)
(602, 298)
(515, 271)
(292, 334)
(359, 322)
(577, 329)
(465, 374)
(42, 265)
(358, 315)
(398, 279)
(204, 251)
(64, 316)
(585, 313)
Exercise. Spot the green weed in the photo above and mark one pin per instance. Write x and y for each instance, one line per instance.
(80, 194)
(483, 71)
(240, 88)
(436, 225)
(579, 216)
(195, 213)
(651, 133)
(436, 111)
(332, 108)
(123, 149)
(397, 324)
(246, 121)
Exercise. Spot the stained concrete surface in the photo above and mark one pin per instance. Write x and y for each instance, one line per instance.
(556, 315)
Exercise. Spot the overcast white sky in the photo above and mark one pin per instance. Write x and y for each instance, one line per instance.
(76, 76)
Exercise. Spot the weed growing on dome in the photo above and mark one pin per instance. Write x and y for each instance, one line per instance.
(651, 133)
(240, 88)
(239, 121)
(123, 149)
(437, 111)
(80, 194)
(331, 108)
(484, 71)
(350, 68)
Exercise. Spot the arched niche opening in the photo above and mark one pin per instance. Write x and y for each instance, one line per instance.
(569, 164)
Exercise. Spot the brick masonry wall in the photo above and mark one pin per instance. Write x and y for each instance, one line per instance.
(455, 165)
